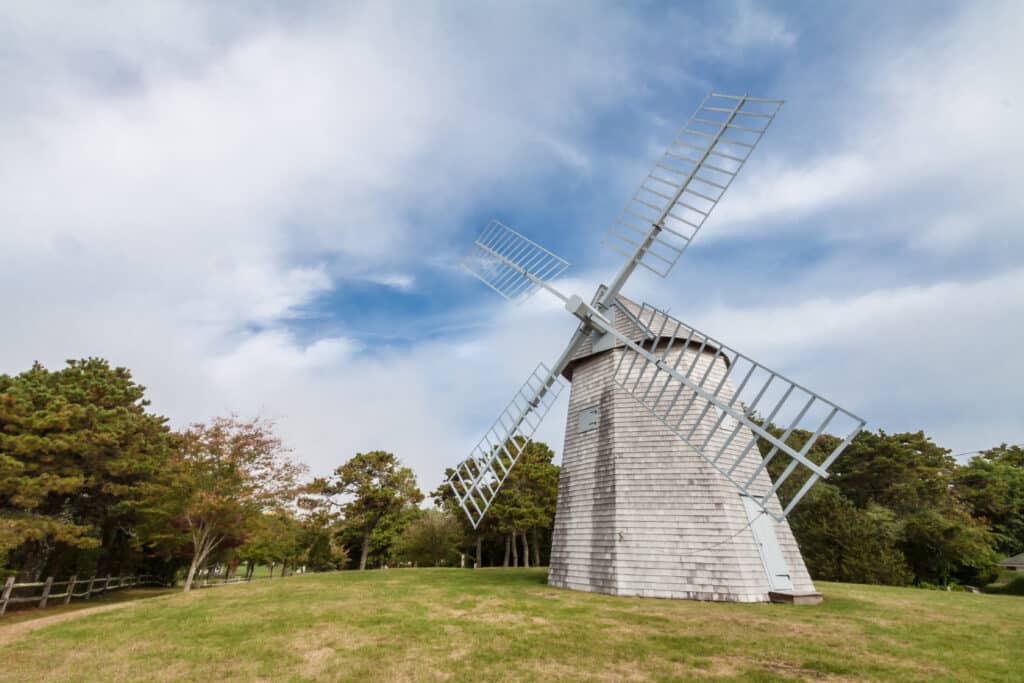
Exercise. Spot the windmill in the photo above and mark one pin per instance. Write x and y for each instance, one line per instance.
(664, 490)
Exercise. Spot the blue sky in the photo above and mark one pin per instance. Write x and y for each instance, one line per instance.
(260, 208)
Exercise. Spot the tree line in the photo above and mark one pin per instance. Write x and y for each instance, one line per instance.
(520, 517)
(898, 509)
(93, 483)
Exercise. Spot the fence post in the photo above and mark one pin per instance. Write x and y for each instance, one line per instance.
(88, 593)
(6, 595)
(46, 591)
(71, 588)
(106, 584)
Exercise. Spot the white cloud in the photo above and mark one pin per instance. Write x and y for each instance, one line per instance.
(943, 357)
(775, 190)
(756, 26)
(277, 351)
(177, 182)
(401, 281)
(428, 402)
(948, 232)
(928, 118)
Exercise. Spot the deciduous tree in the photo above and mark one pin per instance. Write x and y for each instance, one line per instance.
(841, 542)
(992, 486)
(898, 495)
(444, 499)
(433, 538)
(322, 546)
(224, 475)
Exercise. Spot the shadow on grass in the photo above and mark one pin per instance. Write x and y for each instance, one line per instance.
(506, 576)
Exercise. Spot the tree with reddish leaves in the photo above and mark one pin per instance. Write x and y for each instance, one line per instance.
(221, 478)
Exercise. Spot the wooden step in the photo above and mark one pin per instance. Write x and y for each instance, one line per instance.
(795, 597)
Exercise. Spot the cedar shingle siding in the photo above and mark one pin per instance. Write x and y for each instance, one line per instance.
(640, 513)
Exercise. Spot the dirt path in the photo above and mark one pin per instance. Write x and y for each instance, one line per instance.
(10, 633)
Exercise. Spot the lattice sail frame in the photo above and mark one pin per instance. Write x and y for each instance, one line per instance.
(687, 183)
(719, 418)
(477, 479)
(510, 263)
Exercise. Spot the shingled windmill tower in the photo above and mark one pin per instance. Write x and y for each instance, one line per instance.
(665, 488)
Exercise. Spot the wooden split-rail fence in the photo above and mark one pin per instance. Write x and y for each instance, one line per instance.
(42, 592)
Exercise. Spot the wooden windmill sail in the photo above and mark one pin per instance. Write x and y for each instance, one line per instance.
(664, 490)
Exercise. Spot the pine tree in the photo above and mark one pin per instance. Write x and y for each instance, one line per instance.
(76, 445)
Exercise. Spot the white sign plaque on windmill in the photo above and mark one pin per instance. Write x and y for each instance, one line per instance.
(664, 489)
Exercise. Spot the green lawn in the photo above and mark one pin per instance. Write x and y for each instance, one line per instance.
(505, 624)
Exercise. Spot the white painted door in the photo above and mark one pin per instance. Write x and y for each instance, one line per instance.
(763, 528)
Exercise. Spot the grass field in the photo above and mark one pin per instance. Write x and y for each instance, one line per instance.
(504, 624)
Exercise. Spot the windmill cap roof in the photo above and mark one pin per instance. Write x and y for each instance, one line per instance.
(626, 319)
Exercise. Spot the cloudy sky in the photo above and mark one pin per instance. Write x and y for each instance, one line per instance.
(260, 208)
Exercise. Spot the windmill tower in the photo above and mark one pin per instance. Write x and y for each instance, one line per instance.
(664, 490)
